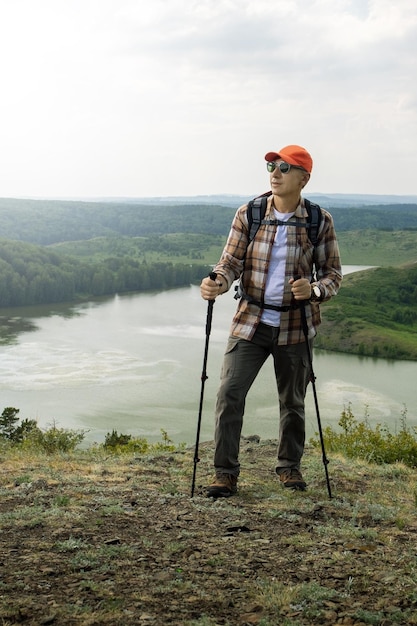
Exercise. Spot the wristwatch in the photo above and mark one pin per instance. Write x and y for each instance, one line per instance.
(315, 292)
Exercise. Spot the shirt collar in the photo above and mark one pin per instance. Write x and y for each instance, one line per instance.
(300, 211)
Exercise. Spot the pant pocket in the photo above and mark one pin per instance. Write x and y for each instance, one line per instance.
(231, 344)
(228, 367)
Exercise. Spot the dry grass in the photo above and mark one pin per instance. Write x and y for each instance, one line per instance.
(93, 539)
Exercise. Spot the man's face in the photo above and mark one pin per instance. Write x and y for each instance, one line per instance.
(287, 183)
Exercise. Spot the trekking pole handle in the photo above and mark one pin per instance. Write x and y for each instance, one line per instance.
(297, 277)
(213, 277)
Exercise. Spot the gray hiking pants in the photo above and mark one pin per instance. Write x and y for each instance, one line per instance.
(242, 362)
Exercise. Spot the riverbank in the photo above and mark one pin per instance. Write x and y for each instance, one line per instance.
(89, 538)
(374, 314)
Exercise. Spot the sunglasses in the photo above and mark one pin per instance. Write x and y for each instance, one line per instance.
(283, 167)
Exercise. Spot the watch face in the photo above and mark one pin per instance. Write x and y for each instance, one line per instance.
(316, 291)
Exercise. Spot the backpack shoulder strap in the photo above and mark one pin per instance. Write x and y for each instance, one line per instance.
(314, 220)
(257, 209)
(256, 213)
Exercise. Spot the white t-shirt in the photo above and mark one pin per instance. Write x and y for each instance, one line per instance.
(274, 288)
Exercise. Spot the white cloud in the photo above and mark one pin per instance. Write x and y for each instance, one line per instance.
(133, 98)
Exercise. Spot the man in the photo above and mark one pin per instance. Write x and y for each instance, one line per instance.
(277, 274)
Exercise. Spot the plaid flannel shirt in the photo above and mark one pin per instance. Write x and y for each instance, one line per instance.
(250, 263)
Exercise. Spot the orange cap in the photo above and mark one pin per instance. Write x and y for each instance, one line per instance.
(295, 155)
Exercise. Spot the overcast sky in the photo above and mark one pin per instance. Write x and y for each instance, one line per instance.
(184, 97)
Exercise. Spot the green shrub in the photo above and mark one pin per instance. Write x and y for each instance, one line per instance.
(26, 429)
(29, 435)
(375, 445)
(113, 439)
(8, 421)
(124, 444)
(55, 439)
(120, 444)
(166, 445)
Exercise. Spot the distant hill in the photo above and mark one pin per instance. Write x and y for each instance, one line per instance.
(326, 200)
(350, 200)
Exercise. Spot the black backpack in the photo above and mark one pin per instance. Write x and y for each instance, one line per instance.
(256, 214)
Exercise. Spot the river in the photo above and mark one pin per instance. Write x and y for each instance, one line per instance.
(133, 363)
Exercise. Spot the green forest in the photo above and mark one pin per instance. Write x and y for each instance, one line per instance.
(31, 274)
(51, 221)
(64, 251)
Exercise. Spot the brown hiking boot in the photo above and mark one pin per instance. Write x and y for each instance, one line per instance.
(292, 478)
(223, 486)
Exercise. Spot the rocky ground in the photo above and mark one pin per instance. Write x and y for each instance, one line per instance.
(89, 539)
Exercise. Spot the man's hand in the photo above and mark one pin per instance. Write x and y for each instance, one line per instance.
(210, 288)
(301, 288)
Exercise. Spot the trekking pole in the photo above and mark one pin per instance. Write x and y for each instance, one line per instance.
(204, 377)
(313, 384)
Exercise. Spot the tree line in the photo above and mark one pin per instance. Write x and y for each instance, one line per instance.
(32, 274)
(46, 222)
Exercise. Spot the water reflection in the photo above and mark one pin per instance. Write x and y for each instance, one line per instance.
(12, 327)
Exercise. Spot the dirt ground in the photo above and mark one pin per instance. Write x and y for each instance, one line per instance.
(91, 539)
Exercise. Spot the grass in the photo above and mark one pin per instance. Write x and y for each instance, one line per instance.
(377, 247)
(108, 535)
(109, 544)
